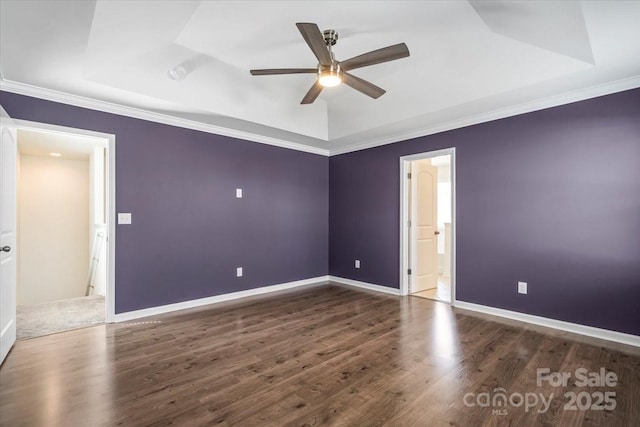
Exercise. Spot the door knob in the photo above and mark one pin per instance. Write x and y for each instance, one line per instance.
(5, 249)
(436, 232)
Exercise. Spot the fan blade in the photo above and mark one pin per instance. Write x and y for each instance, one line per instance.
(362, 85)
(315, 40)
(271, 71)
(312, 94)
(385, 54)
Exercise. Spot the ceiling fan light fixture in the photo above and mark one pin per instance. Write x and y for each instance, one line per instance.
(330, 77)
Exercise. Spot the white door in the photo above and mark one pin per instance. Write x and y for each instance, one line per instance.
(8, 153)
(424, 230)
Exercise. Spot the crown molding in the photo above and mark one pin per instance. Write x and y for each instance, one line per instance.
(527, 107)
(138, 113)
(501, 113)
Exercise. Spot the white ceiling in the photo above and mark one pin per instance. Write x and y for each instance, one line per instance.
(467, 59)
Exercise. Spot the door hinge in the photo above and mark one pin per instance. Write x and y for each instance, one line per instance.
(409, 175)
(409, 271)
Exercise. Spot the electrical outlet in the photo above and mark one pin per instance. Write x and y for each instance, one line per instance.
(239, 193)
(522, 287)
(357, 263)
(239, 272)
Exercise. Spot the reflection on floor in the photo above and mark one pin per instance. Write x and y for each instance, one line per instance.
(56, 316)
(440, 293)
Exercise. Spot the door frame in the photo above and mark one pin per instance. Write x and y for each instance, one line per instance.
(110, 181)
(405, 213)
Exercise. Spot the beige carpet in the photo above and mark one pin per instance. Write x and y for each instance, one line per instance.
(57, 316)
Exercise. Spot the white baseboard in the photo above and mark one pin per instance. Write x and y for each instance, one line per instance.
(365, 285)
(152, 311)
(575, 328)
(590, 331)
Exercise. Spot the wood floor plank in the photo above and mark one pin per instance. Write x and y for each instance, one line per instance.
(321, 355)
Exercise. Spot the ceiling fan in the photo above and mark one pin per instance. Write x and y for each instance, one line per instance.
(332, 72)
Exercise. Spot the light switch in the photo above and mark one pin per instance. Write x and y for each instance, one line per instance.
(239, 193)
(239, 272)
(522, 287)
(124, 218)
(357, 263)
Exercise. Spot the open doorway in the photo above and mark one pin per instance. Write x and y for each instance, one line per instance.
(428, 225)
(63, 228)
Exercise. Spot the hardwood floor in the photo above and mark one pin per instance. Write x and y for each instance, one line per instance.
(322, 355)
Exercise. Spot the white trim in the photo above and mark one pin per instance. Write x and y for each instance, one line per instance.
(110, 311)
(575, 328)
(138, 113)
(50, 128)
(365, 285)
(152, 311)
(501, 113)
(405, 166)
(110, 179)
(526, 107)
(404, 217)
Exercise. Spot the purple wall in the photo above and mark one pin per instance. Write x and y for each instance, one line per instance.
(189, 232)
(550, 197)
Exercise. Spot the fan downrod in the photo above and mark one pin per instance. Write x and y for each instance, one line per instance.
(330, 37)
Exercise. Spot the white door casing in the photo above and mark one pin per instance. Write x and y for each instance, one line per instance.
(8, 159)
(424, 242)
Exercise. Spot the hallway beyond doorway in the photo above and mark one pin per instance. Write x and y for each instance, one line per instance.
(440, 293)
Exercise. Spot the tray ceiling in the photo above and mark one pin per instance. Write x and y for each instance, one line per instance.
(467, 58)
